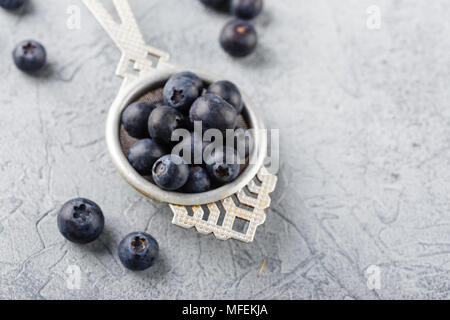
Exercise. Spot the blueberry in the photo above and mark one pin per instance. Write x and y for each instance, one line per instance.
(170, 172)
(217, 4)
(163, 121)
(196, 147)
(229, 92)
(238, 38)
(198, 181)
(243, 142)
(144, 153)
(180, 91)
(11, 4)
(80, 220)
(29, 56)
(246, 9)
(138, 251)
(221, 170)
(190, 75)
(135, 119)
(214, 112)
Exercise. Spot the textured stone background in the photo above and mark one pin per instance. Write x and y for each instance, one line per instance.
(365, 170)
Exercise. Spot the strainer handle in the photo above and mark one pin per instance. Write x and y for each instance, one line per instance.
(127, 36)
(249, 209)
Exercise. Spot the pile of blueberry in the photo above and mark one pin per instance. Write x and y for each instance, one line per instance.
(81, 221)
(29, 56)
(238, 37)
(193, 165)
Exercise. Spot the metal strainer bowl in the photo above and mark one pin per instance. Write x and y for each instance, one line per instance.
(231, 211)
(113, 139)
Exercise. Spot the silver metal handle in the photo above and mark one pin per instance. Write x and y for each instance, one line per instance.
(239, 206)
(128, 38)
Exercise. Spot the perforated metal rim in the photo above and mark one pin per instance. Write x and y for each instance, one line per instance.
(137, 89)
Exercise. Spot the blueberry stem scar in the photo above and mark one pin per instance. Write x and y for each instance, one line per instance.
(138, 244)
(28, 48)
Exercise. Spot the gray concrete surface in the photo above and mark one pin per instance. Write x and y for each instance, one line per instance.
(364, 179)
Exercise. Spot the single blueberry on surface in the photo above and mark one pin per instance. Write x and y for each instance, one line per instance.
(223, 165)
(229, 92)
(163, 121)
(170, 172)
(144, 153)
(135, 119)
(238, 38)
(29, 56)
(80, 220)
(217, 4)
(246, 9)
(214, 112)
(138, 251)
(180, 92)
(11, 4)
(198, 181)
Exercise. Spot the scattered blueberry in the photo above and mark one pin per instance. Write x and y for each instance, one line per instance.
(180, 91)
(170, 172)
(243, 142)
(238, 38)
(163, 121)
(223, 165)
(143, 154)
(138, 251)
(217, 4)
(246, 9)
(198, 181)
(29, 56)
(135, 119)
(11, 4)
(214, 112)
(229, 92)
(80, 220)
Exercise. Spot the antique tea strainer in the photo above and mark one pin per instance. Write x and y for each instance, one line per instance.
(218, 211)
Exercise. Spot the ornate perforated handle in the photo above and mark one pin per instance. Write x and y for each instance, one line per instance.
(128, 38)
(235, 217)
